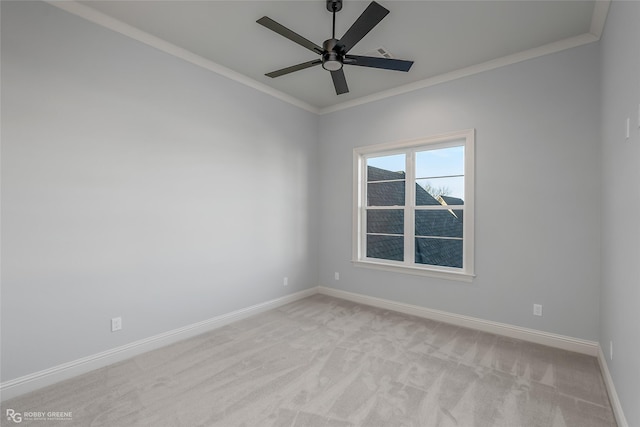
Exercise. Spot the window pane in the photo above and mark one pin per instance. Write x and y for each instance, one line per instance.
(385, 247)
(387, 221)
(441, 162)
(386, 168)
(385, 193)
(447, 190)
(441, 252)
(439, 223)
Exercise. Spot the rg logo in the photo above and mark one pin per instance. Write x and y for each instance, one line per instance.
(14, 416)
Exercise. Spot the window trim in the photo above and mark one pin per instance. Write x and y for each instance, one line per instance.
(409, 147)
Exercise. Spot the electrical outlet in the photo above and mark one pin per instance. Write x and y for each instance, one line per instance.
(116, 324)
(286, 281)
(336, 275)
(537, 309)
(610, 350)
(627, 132)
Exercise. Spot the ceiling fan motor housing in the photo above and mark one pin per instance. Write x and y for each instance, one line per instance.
(332, 58)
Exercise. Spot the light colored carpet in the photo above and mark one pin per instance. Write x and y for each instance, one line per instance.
(327, 362)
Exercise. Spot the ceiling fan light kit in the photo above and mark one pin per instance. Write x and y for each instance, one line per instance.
(331, 60)
(334, 52)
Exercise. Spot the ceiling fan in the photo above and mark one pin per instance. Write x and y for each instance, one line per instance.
(334, 53)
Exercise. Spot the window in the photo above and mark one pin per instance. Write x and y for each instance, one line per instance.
(413, 206)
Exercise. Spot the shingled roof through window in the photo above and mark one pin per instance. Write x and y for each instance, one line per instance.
(432, 223)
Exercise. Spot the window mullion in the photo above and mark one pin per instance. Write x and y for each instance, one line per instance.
(409, 211)
(363, 208)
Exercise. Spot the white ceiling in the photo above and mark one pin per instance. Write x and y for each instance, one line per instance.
(442, 37)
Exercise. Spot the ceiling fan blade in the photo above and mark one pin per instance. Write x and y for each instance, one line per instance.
(293, 68)
(285, 32)
(371, 16)
(339, 81)
(385, 63)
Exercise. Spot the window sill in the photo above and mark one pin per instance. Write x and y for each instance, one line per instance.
(418, 271)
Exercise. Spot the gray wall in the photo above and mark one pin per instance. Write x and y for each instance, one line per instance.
(135, 184)
(537, 191)
(620, 306)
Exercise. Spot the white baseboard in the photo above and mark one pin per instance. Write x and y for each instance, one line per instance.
(37, 380)
(525, 334)
(590, 348)
(611, 389)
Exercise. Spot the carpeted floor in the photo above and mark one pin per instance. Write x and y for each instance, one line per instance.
(326, 362)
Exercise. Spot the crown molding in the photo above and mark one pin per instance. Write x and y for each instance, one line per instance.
(468, 71)
(600, 11)
(599, 17)
(130, 31)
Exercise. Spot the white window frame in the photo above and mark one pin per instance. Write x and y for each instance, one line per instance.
(464, 138)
